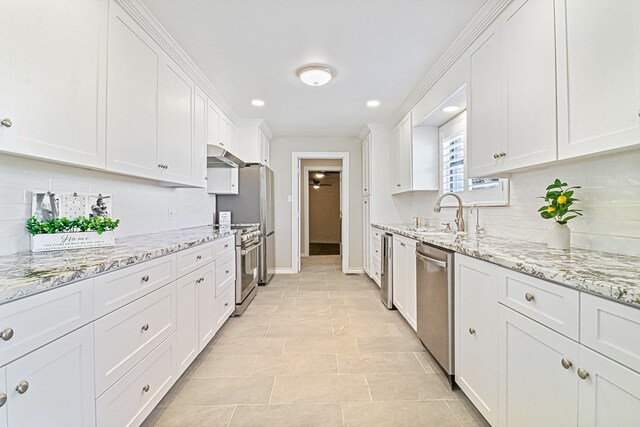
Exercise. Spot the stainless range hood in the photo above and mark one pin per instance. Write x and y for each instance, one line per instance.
(218, 157)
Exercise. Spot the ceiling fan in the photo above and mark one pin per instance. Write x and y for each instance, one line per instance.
(317, 184)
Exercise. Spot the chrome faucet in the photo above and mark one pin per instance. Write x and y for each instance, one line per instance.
(479, 229)
(459, 219)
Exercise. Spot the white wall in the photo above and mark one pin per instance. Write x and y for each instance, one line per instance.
(610, 198)
(141, 205)
(281, 151)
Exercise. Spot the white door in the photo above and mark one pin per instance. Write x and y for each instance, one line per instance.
(3, 398)
(132, 98)
(206, 313)
(54, 386)
(530, 79)
(213, 124)
(609, 394)
(52, 80)
(175, 122)
(534, 387)
(199, 164)
(598, 75)
(476, 320)
(486, 136)
(187, 320)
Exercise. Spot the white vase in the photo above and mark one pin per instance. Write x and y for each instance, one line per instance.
(559, 236)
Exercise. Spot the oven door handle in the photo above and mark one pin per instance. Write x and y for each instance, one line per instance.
(437, 262)
(243, 252)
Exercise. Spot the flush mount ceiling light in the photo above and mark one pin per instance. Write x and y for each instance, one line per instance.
(257, 103)
(320, 175)
(373, 103)
(315, 74)
(451, 108)
(316, 187)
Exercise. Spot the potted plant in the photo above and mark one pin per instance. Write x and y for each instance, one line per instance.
(558, 206)
(63, 233)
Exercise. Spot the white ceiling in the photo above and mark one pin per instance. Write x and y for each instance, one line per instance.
(251, 49)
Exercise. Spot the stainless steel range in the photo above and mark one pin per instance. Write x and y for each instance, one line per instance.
(248, 242)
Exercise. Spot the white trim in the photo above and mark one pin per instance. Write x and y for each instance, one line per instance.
(355, 271)
(284, 271)
(305, 191)
(296, 158)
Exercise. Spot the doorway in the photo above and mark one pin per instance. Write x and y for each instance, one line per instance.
(321, 215)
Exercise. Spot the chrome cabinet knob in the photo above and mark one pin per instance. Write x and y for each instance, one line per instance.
(226, 304)
(226, 272)
(226, 246)
(145, 388)
(397, 185)
(566, 364)
(145, 278)
(502, 154)
(582, 373)
(6, 122)
(528, 297)
(7, 334)
(3, 399)
(496, 155)
(22, 387)
(472, 331)
(199, 257)
(145, 327)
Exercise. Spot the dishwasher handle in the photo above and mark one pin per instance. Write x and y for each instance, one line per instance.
(437, 262)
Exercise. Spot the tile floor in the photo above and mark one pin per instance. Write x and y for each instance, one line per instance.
(315, 349)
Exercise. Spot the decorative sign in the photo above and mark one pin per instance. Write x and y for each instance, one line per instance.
(224, 218)
(60, 241)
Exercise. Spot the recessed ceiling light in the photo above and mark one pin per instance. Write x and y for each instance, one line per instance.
(451, 108)
(373, 103)
(319, 175)
(257, 103)
(315, 74)
(317, 187)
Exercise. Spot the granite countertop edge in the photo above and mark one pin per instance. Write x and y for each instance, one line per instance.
(581, 269)
(25, 273)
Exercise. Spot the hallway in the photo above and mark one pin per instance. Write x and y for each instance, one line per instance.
(315, 349)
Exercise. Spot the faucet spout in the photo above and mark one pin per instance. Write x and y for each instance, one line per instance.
(459, 213)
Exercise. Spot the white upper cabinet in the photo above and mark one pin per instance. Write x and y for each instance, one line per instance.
(52, 80)
(213, 124)
(175, 122)
(513, 91)
(253, 145)
(199, 163)
(132, 98)
(366, 170)
(598, 75)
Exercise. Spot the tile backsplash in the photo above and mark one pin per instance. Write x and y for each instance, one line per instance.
(142, 206)
(610, 198)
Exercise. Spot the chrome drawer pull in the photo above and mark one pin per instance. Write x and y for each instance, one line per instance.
(22, 387)
(3, 399)
(145, 278)
(226, 272)
(145, 327)
(226, 304)
(6, 122)
(582, 374)
(566, 364)
(199, 257)
(528, 297)
(145, 388)
(7, 334)
(472, 331)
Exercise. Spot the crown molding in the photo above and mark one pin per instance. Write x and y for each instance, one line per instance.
(371, 127)
(485, 17)
(150, 24)
(258, 123)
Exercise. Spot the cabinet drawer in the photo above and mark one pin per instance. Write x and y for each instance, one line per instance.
(193, 258)
(223, 246)
(548, 303)
(606, 326)
(223, 306)
(376, 271)
(225, 272)
(132, 398)
(39, 319)
(376, 249)
(113, 290)
(376, 233)
(126, 336)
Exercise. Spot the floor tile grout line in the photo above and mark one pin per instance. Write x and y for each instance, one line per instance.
(366, 380)
(273, 386)
(232, 414)
(453, 413)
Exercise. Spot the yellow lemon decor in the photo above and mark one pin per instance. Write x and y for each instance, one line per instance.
(550, 209)
(562, 200)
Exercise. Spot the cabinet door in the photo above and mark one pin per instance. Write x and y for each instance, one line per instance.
(58, 383)
(411, 298)
(175, 122)
(222, 180)
(132, 98)
(598, 76)
(534, 388)
(206, 312)
(366, 230)
(366, 166)
(266, 150)
(3, 398)
(610, 394)
(213, 124)
(396, 159)
(187, 320)
(399, 273)
(233, 139)
(52, 80)
(225, 132)
(199, 159)
(486, 122)
(406, 154)
(530, 79)
(476, 320)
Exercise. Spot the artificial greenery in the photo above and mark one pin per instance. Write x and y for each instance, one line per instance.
(558, 203)
(65, 225)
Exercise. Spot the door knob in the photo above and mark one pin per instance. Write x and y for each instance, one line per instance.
(22, 387)
(566, 364)
(528, 297)
(582, 374)
(7, 334)
(6, 122)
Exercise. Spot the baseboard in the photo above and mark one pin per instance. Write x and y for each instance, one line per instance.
(284, 271)
(355, 271)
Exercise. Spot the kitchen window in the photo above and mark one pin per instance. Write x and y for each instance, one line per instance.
(454, 179)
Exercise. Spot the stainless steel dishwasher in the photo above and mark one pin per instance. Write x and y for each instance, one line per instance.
(386, 271)
(435, 304)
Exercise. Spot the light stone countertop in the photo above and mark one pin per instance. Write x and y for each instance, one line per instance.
(26, 273)
(613, 276)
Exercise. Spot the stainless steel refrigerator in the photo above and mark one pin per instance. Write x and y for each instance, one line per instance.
(254, 205)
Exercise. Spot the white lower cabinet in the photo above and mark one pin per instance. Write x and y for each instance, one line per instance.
(54, 385)
(404, 278)
(187, 320)
(476, 334)
(366, 231)
(206, 296)
(3, 398)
